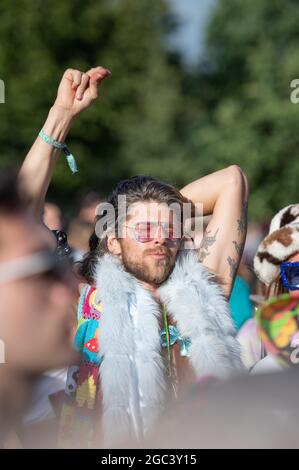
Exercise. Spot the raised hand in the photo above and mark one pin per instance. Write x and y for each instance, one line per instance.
(77, 90)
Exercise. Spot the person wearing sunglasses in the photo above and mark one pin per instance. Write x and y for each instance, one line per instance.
(276, 264)
(36, 290)
(152, 314)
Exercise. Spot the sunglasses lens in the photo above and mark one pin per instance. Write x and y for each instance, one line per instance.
(144, 232)
(292, 275)
(171, 234)
(147, 231)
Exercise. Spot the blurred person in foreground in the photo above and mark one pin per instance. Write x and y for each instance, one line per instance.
(252, 412)
(36, 290)
(151, 316)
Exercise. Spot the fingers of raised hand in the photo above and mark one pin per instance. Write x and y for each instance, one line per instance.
(77, 77)
(96, 74)
(74, 76)
(101, 72)
(82, 86)
(80, 82)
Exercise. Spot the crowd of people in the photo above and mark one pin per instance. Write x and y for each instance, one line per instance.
(110, 322)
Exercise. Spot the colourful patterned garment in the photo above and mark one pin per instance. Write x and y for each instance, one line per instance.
(278, 323)
(80, 415)
(77, 416)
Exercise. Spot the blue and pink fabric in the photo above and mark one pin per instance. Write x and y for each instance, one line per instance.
(78, 411)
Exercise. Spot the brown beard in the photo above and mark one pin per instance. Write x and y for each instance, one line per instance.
(141, 271)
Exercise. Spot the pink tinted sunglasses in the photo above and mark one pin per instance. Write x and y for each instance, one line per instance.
(144, 232)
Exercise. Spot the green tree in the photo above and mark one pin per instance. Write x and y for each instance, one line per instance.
(155, 118)
(133, 128)
(239, 100)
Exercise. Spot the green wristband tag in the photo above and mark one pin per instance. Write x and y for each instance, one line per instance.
(61, 146)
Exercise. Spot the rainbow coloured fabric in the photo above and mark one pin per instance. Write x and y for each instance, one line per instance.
(278, 323)
(82, 402)
(78, 411)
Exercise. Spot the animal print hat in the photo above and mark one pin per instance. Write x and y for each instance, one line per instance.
(281, 243)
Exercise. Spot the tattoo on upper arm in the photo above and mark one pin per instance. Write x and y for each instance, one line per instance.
(242, 227)
(239, 247)
(233, 266)
(242, 222)
(207, 241)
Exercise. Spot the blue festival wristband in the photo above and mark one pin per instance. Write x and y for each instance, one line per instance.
(60, 146)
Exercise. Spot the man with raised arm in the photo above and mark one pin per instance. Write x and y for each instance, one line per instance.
(152, 315)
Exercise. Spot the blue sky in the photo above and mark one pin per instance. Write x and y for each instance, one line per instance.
(190, 36)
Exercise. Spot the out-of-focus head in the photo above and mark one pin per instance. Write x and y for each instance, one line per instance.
(144, 230)
(87, 207)
(277, 255)
(36, 321)
(79, 234)
(52, 216)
